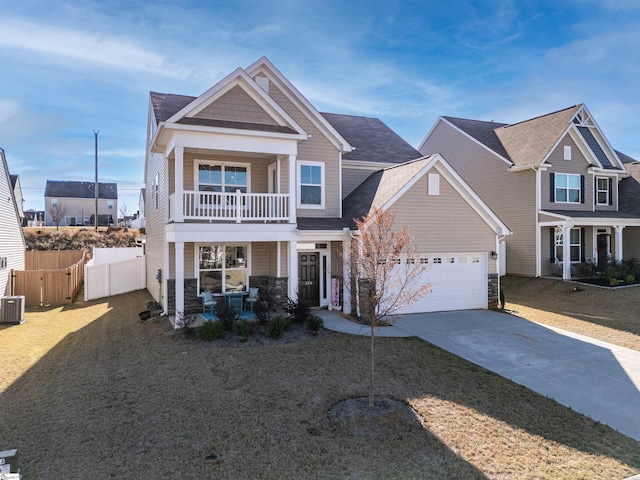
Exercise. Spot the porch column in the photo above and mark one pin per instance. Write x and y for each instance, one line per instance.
(293, 202)
(346, 275)
(566, 252)
(618, 244)
(178, 215)
(292, 263)
(179, 246)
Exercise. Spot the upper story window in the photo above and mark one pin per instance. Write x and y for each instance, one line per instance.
(110, 204)
(603, 191)
(567, 188)
(222, 178)
(54, 203)
(311, 184)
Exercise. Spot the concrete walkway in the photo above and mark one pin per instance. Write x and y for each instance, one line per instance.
(597, 379)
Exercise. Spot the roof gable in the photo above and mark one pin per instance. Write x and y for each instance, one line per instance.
(264, 67)
(383, 188)
(530, 142)
(373, 141)
(192, 112)
(73, 189)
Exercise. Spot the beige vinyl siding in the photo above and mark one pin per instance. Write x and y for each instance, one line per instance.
(12, 243)
(260, 254)
(236, 106)
(155, 246)
(577, 166)
(631, 242)
(511, 195)
(316, 149)
(352, 177)
(443, 223)
(258, 181)
(548, 218)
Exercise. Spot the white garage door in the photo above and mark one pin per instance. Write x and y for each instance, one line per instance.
(458, 282)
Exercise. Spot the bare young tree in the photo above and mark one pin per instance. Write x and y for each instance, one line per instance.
(388, 273)
(57, 213)
(126, 216)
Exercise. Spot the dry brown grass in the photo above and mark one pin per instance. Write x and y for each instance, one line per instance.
(87, 391)
(610, 315)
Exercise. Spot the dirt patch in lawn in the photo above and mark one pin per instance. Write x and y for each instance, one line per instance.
(610, 315)
(88, 391)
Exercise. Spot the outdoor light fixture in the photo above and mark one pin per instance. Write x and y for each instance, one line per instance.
(494, 254)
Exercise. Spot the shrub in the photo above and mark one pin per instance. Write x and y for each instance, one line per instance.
(299, 311)
(242, 329)
(262, 311)
(629, 279)
(611, 272)
(278, 326)
(314, 324)
(210, 330)
(226, 315)
(614, 282)
(585, 270)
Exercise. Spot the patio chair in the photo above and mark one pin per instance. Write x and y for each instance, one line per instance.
(235, 302)
(253, 297)
(209, 305)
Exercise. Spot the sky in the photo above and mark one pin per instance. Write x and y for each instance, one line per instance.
(71, 68)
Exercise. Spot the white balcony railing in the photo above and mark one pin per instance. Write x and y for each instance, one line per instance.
(234, 207)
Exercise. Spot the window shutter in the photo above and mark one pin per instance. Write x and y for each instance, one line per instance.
(552, 187)
(552, 245)
(582, 245)
(610, 191)
(581, 188)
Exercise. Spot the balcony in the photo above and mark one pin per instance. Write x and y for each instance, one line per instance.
(235, 207)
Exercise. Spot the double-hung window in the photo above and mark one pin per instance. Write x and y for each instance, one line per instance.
(222, 268)
(311, 184)
(222, 178)
(603, 191)
(567, 188)
(575, 244)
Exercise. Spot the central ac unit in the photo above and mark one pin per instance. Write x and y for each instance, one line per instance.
(12, 310)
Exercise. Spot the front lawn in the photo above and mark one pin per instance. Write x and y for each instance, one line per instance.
(88, 391)
(610, 315)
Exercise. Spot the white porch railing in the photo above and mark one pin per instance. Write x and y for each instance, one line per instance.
(236, 206)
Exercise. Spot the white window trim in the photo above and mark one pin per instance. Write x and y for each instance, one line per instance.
(559, 242)
(196, 262)
(598, 190)
(323, 188)
(556, 188)
(198, 162)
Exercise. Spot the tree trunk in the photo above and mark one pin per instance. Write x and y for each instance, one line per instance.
(373, 336)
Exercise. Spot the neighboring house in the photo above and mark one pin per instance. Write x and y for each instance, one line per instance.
(555, 180)
(76, 201)
(17, 193)
(139, 220)
(12, 244)
(33, 218)
(244, 187)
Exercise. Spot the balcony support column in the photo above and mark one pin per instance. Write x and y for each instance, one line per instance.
(293, 202)
(178, 215)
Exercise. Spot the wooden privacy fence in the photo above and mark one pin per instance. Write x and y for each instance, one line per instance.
(51, 278)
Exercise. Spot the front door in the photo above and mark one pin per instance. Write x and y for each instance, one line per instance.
(308, 278)
(603, 250)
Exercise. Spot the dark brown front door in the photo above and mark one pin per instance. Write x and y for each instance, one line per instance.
(308, 278)
(603, 250)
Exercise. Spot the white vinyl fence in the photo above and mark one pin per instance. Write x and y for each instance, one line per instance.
(104, 276)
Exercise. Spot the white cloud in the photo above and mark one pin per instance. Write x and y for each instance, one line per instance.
(83, 46)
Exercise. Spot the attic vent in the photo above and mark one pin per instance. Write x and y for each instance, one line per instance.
(567, 152)
(263, 83)
(434, 184)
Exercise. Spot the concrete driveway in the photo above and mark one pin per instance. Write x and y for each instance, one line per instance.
(595, 378)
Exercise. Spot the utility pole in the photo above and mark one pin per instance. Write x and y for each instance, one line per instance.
(95, 218)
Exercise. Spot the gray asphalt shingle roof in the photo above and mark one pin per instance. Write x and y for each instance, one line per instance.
(629, 190)
(483, 132)
(373, 140)
(72, 189)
